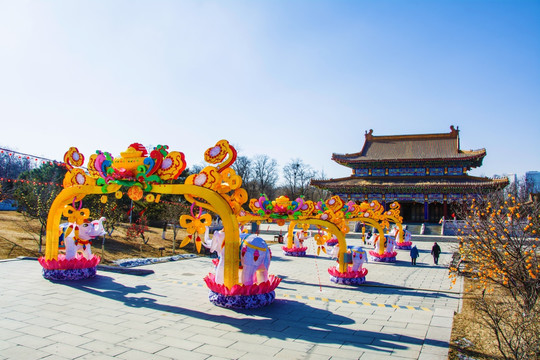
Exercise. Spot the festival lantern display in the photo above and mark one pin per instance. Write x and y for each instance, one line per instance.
(240, 278)
(401, 236)
(356, 273)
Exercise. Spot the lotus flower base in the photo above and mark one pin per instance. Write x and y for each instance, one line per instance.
(385, 257)
(74, 269)
(242, 296)
(349, 277)
(332, 242)
(294, 251)
(348, 281)
(406, 245)
(241, 301)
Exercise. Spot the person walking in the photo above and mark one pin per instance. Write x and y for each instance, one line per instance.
(414, 254)
(436, 251)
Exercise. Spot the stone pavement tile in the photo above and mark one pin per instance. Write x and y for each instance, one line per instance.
(414, 335)
(303, 339)
(212, 340)
(428, 356)
(367, 328)
(249, 356)
(18, 352)
(42, 321)
(391, 329)
(107, 335)
(6, 334)
(131, 333)
(438, 334)
(280, 325)
(140, 355)
(228, 328)
(72, 329)
(105, 327)
(70, 339)
(397, 323)
(37, 330)
(21, 312)
(422, 319)
(441, 321)
(142, 345)
(406, 353)
(144, 327)
(207, 331)
(245, 339)
(227, 353)
(376, 356)
(372, 352)
(416, 326)
(4, 345)
(93, 356)
(435, 350)
(256, 350)
(65, 350)
(177, 353)
(300, 355)
(8, 324)
(58, 357)
(105, 348)
(333, 352)
(449, 313)
(31, 341)
(283, 344)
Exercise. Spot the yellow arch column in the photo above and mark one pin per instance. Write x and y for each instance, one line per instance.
(376, 225)
(290, 233)
(66, 197)
(333, 229)
(228, 219)
(400, 227)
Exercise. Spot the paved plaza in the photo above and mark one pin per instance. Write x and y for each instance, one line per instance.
(402, 312)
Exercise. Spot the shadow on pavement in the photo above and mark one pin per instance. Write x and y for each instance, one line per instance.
(284, 319)
(373, 287)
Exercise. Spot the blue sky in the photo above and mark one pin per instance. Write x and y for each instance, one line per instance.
(290, 79)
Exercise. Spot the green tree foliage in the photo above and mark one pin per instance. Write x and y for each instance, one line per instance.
(37, 193)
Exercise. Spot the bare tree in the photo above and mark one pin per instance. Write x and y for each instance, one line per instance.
(499, 245)
(297, 178)
(171, 215)
(244, 168)
(314, 193)
(265, 175)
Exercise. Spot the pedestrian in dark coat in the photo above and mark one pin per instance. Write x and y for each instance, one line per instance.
(414, 254)
(436, 251)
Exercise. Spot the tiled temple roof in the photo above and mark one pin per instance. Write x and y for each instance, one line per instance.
(412, 148)
(422, 184)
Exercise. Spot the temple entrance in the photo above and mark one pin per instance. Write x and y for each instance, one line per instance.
(435, 212)
(412, 212)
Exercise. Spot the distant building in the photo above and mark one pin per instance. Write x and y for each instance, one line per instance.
(425, 173)
(532, 180)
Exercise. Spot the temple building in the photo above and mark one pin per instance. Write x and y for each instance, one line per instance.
(425, 173)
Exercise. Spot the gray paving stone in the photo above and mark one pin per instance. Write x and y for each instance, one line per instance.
(227, 353)
(105, 348)
(158, 309)
(31, 341)
(441, 321)
(140, 355)
(143, 345)
(65, 350)
(18, 352)
(294, 354)
(256, 350)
